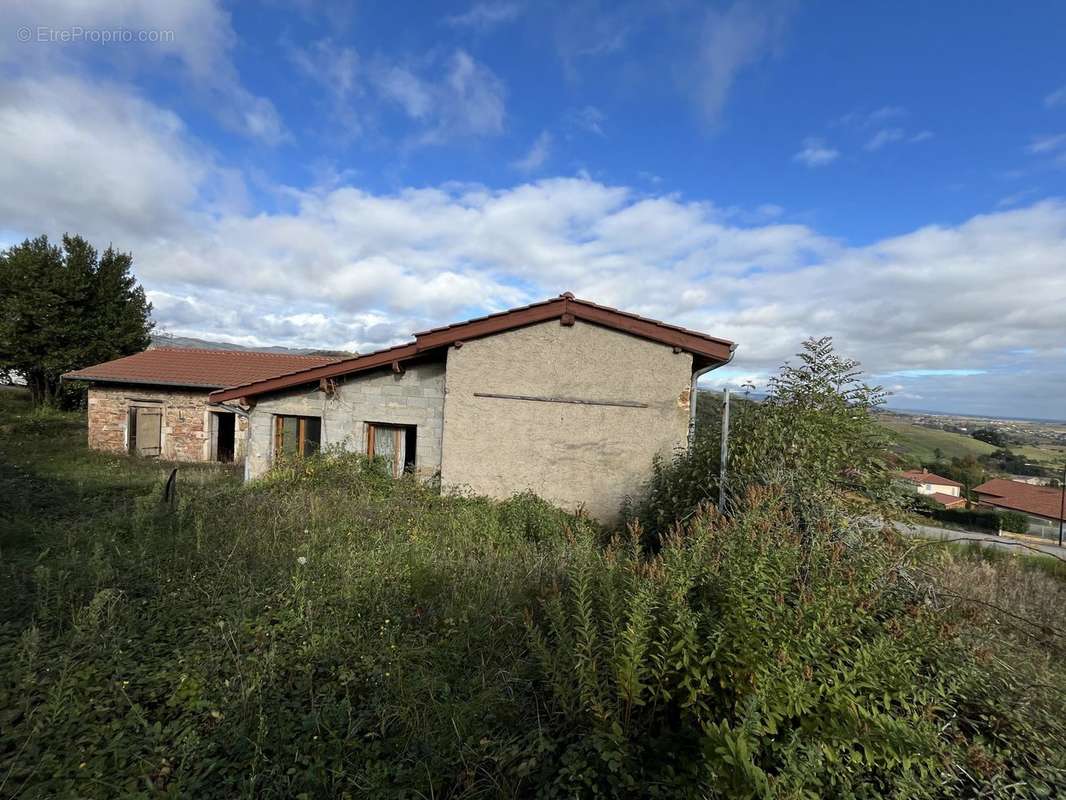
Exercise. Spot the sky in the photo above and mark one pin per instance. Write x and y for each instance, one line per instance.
(341, 175)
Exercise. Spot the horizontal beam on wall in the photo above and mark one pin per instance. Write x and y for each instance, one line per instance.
(575, 400)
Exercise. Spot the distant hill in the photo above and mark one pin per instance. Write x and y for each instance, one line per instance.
(920, 443)
(189, 342)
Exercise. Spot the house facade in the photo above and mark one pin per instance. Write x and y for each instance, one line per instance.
(155, 404)
(942, 491)
(565, 398)
(1042, 505)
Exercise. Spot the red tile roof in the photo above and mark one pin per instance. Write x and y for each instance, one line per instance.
(706, 350)
(946, 500)
(1044, 501)
(206, 369)
(924, 476)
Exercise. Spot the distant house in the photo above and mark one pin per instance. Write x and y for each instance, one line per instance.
(941, 490)
(565, 398)
(1041, 504)
(156, 403)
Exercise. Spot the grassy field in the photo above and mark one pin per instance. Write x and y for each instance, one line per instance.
(920, 443)
(331, 632)
(1050, 456)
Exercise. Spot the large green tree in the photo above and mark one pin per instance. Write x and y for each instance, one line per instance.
(64, 308)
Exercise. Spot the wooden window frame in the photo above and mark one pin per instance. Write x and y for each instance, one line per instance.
(400, 432)
(301, 433)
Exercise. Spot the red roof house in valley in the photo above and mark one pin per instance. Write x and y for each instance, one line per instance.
(1041, 504)
(155, 403)
(932, 485)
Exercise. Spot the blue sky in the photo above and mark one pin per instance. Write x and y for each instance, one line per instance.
(341, 175)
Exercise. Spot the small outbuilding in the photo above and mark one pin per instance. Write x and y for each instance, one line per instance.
(565, 398)
(156, 404)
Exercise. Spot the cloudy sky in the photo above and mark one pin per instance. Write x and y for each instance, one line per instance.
(324, 175)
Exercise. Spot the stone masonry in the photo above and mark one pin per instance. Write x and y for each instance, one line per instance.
(186, 422)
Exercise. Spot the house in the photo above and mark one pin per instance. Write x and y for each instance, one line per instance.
(940, 490)
(1041, 504)
(566, 398)
(155, 403)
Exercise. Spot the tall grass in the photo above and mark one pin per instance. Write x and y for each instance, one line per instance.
(330, 632)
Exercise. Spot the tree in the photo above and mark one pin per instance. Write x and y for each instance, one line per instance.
(991, 436)
(814, 436)
(66, 308)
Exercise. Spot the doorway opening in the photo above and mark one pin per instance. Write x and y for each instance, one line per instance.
(144, 431)
(223, 436)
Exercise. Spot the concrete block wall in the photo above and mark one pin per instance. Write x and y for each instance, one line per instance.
(589, 455)
(414, 397)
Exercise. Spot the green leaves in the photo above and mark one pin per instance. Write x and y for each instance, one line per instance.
(757, 657)
(814, 436)
(66, 308)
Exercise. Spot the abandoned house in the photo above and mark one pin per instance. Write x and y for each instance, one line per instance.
(565, 398)
(156, 403)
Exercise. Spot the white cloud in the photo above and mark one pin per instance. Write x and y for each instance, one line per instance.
(870, 119)
(731, 41)
(333, 66)
(198, 37)
(459, 97)
(589, 29)
(816, 153)
(1056, 98)
(1047, 144)
(346, 267)
(538, 154)
(92, 158)
(920, 136)
(589, 119)
(487, 15)
(884, 113)
(442, 96)
(883, 137)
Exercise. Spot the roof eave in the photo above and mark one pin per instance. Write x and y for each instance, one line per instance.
(141, 381)
(705, 350)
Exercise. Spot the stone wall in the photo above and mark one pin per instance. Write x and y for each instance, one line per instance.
(186, 421)
(578, 455)
(414, 397)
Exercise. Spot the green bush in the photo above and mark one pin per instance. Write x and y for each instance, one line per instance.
(750, 659)
(984, 518)
(1013, 521)
(814, 435)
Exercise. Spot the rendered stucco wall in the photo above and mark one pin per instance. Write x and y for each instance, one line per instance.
(589, 456)
(186, 423)
(415, 397)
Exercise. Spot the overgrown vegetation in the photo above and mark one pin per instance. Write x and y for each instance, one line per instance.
(814, 436)
(330, 632)
(976, 518)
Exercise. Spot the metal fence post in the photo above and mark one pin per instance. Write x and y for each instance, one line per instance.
(724, 457)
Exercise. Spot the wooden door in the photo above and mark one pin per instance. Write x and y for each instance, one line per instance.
(149, 431)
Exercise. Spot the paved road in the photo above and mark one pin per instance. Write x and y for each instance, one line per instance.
(986, 539)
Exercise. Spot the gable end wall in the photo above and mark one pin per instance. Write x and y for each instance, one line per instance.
(575, 455)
